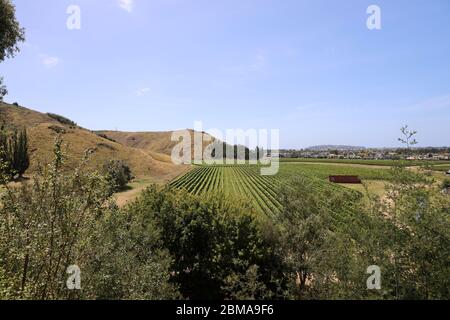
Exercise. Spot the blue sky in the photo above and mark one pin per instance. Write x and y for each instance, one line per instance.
(309, 68)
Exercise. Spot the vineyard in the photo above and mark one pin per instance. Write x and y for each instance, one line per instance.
(245, 181)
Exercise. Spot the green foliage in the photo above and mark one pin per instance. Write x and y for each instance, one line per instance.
(187, 242)
(446, 184)
(329, 241)
(14, 152)
(62, 120)
(10, 31)
(408, 137)
(61, 219)
(10, 34)
(246, 286)
(415, 247)
(320, 260)
(210, 239)
(118, 174)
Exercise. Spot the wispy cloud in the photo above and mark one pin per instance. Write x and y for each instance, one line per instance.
(143, 91)
(256, 63)
(126, 5)
(49, 61)
(438, 102)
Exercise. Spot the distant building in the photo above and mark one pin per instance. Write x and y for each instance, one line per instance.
(345, 179)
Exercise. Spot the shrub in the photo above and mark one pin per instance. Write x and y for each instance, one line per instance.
(14, 152)
(118, 174)
(62, 120)
(446, 184)
(58, 220)
(104, 136)
(57, 129)
(214, 242)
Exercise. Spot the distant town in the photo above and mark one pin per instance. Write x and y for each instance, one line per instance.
(350, 152)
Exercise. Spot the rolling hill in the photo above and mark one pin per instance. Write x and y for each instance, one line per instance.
(43, 129)
(158, 144)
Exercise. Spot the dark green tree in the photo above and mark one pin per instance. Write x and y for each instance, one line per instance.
(214, 242)
(64, 218)
(10, 31)
(118, 174)
(10, 34)
(15, 152)
(24, 159)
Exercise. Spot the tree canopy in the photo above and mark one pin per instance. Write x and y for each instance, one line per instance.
(11, 33)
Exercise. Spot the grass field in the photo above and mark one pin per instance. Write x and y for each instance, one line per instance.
(324, 170)
(443, 168)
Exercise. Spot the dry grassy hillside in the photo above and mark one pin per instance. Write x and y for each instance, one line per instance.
(42, 131)
(152, 142)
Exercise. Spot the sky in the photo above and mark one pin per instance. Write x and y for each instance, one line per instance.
(310, 68)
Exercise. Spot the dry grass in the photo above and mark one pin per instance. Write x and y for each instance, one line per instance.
(374, 187)
(42, 131)
(152, 142)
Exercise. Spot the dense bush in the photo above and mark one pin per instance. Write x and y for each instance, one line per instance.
(330, 241)
(104, 136)
(14, 152)
(446, 184)
(118, 174)
(171, 244)
(62, 120)
(59, 220)
(212, 241)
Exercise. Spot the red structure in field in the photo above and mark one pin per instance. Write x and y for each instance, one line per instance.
(345, 179)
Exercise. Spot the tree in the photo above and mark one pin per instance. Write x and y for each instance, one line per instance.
(213, 241)
(446, 184)
(408, 137)
(65, 218)
(10, 31)
(24, 160)
(414, 237)
(321, 256)
(118, 174)
(14, 148)
(10, 34)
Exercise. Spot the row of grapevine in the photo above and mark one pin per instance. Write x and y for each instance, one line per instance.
(245, 181)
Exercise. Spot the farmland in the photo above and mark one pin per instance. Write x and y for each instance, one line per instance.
(324, 170)
(245, 181)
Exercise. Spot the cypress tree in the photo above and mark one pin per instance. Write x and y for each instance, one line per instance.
(14, 152)
(24, 159)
